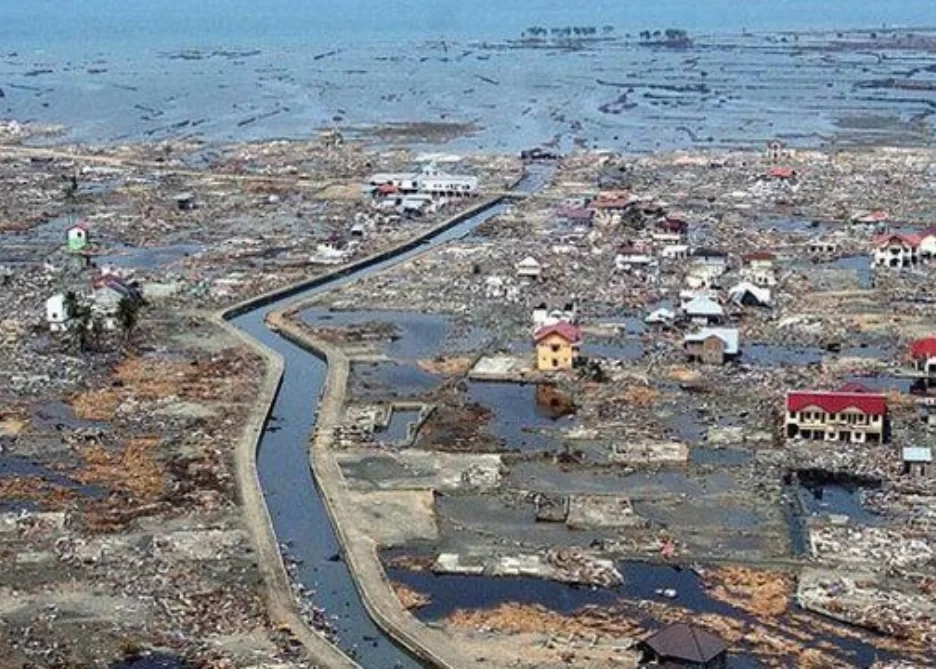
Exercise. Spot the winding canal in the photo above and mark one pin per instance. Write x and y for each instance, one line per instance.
(300, 519)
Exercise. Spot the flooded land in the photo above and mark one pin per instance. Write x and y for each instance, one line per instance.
(527, 350)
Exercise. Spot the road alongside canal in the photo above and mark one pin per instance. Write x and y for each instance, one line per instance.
(294, 504)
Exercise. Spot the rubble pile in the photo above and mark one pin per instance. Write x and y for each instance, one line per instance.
(860, 600)
(764, 594)
(880, 548)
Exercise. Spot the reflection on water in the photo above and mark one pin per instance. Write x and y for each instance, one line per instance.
(836, 498)
(518, 418)
(400, 420)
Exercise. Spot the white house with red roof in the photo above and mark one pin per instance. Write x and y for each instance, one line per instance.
(852, 414)
(896, 250)
(610, 206)
(923, 353)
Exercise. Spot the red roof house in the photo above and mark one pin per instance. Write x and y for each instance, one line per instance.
(837, 401)
(674, 224)
(898, 239)
(876, 216)
(759, 257)
(612, 204)
(565, 330)
(923, 348)
(781, 173)
(576, 214)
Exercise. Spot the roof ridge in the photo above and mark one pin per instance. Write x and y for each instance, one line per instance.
(695, 639)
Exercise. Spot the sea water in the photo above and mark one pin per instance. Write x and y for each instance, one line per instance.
(222, 70)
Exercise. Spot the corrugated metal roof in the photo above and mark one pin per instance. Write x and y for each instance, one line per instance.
(703, 306)
(917, 454)
(728, 335)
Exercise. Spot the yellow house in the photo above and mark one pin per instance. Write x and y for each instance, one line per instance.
(557, 346)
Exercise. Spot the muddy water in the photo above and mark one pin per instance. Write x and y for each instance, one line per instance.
(299, 517)
(642, 582)
(415, 336)
(148, 257)
(152, 661)
(400, 420)
(212, 79)
(517, 418)
(836, 498)
(20, 467)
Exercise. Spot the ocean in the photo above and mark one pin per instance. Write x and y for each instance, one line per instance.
(232, 70)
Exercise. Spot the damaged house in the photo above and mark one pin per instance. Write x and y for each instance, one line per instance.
(712, 346)
(758, 268)
(746, 294)
(543, 316)
(703, 310)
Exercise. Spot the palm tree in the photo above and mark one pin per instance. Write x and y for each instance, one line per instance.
(128, 310)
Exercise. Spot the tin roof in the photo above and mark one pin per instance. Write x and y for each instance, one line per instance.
(917, 454)
(728, 335)
(923, 348)
(912, 241)
(837, 401)
(703, 306)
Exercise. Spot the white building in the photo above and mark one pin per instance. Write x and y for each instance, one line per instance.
(674, 252)
(77, 237)
(704, 311)
(747, 294)
(661, 316)
(529, 268)
(544, 317)
(897, 251)
(713, 261)
(928, 243)
(765, 278)
(823, 246)
(428, 181)
(634, 257)
(57, 313)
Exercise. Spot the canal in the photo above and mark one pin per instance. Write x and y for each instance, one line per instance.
(300, 520)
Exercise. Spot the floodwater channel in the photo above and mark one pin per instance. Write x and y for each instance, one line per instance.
(299, 517)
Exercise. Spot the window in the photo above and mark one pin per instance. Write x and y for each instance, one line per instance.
(555, 348)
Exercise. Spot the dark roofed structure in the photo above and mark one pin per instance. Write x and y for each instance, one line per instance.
(684, 645)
